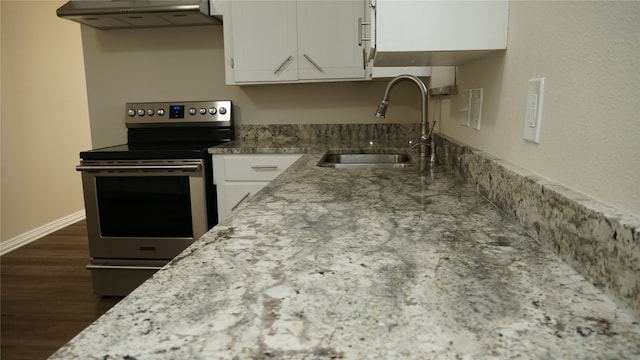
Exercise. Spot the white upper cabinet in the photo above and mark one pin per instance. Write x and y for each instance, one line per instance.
(264, 42)
(328, 39)
(276, 41)
(293, 41)
(433, 32)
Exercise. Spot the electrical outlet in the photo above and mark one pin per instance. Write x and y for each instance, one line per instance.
(476, 108)
(465, 108)
(533, 113)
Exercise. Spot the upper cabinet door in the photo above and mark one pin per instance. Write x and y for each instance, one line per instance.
(438, 32)
(272, 41)
(265, 45)
(328, 44)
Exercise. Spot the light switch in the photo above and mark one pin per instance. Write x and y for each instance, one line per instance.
(533, 113)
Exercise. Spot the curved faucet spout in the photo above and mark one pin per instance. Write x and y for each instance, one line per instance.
(421, 85)
(425, 132)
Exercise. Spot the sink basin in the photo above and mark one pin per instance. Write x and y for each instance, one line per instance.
(358, 160)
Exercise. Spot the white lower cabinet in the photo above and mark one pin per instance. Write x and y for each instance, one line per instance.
(238, 176)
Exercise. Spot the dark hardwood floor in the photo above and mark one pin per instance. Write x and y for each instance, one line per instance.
(46, 294)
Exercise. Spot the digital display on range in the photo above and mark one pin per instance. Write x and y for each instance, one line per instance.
(176, 111)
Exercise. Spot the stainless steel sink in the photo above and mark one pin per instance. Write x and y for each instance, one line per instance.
(358, 160)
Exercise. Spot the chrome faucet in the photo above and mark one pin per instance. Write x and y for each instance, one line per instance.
(426, 143)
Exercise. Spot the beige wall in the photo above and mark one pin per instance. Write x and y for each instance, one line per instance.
(188, 64)
(589, 54)
(44, 116)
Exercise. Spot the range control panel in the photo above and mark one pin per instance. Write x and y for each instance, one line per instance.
(178, 113)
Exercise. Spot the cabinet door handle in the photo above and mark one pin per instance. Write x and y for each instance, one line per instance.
(286, 61)
(240, 202)
(364, 59)
(313, 62)
(372, 54)
(264, 167)
(361, 24)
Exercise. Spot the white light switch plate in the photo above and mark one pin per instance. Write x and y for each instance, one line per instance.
(476, 108)
(465, 108)
(533, 112)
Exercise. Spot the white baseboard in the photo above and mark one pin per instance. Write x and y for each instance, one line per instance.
(37, 233)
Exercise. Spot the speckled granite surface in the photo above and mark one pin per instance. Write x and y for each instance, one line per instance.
(386, 132)
(364, 264)
(601, 242)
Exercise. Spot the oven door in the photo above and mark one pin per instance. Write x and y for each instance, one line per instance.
(144, 209)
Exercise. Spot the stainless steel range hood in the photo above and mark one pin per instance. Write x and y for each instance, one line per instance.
(122, 14)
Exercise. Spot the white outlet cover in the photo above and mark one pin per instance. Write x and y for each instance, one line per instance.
(465, 108)
(533, 112)
(476, 108)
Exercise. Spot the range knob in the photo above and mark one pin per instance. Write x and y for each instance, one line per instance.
(131, 112)
(203, 111)
(223, 110)
(150, 112)
(212, 111)
(141, 112)
(192, 111)
(160, 112)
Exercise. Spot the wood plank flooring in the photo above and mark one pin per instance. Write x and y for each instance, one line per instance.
(46, 294)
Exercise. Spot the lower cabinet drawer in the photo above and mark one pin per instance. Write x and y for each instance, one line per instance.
(256, 167)
(238, 176)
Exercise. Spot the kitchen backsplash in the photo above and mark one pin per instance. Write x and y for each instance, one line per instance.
(333, 132)
(600, 242)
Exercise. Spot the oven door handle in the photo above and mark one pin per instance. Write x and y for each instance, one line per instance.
(123, 267)
(190, 167)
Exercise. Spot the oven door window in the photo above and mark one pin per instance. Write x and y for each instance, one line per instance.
(144, 206)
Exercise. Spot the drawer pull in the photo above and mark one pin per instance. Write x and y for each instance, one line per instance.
(240, 202)
(264, 167)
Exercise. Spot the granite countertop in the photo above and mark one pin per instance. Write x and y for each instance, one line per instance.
(363, 264)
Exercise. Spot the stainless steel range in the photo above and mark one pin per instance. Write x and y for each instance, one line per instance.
(149, 199)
